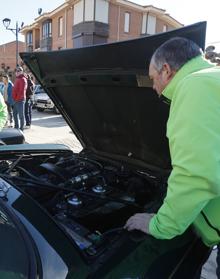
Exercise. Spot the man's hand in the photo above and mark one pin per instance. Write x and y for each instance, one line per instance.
(139, 221)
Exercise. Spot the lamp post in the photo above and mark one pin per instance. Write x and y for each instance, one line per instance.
(6, 23)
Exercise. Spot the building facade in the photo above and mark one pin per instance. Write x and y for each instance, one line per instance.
(8, 56)
(78, 23)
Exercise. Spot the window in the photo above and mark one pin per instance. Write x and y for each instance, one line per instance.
(165, 28)
(89, 10)
(29, 38)
(101, 11)
(78, 12)
(148, 24)
(127, 22)
(60, 26)
(151, 25)
(144, 24)
(47, 29)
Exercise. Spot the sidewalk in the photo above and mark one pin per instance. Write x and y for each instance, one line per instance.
(51, 128)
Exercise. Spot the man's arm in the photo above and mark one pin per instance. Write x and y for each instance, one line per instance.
(139, 221)
(194, 137)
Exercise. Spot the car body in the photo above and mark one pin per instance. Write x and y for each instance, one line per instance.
(11, 136)
(65, 211)
(38, 89)
(42, 101)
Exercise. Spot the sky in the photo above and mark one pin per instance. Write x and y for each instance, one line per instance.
(185, 11)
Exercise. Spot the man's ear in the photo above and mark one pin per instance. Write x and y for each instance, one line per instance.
(168, 72)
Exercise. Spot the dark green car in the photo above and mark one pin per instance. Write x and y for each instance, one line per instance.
(62, 213)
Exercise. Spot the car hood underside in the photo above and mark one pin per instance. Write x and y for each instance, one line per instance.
(106, 97)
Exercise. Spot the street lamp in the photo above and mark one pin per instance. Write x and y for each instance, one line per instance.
(6, 23)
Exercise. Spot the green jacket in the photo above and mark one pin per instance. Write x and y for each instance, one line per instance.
(3, 112)
(193, 130)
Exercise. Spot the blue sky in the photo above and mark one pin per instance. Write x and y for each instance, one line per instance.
(186, 12)
(22, 11)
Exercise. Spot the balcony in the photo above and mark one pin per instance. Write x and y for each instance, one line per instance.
(46, 44)
(90, 33)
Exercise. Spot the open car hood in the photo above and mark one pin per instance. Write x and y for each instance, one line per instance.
(105, 95)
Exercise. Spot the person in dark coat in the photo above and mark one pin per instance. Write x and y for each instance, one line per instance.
(29, 101)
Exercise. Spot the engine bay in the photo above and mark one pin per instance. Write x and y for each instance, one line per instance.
(89, 198)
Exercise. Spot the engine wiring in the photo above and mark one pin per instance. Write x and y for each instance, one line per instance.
(41, 184)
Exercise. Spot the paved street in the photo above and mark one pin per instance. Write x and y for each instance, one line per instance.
(48, 127)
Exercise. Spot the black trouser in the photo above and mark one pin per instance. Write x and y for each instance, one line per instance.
(28, 111)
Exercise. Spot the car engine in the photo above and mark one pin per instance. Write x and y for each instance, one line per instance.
(89, 198)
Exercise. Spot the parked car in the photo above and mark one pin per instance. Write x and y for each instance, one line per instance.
(43, 102)
(62, 213)
(38, 89)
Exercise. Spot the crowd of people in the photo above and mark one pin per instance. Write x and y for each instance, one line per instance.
(18, 98)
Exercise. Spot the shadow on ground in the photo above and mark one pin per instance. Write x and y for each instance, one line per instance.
(49, 122)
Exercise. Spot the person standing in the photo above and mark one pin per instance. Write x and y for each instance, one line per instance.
(7, 95)
(19, 97)
(29, 101)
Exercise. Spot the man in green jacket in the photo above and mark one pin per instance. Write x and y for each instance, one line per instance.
(192, 84)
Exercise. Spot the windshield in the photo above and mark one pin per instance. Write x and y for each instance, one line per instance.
(16, 259)
(38, 89)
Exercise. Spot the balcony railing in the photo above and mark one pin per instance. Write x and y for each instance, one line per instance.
(46, 44)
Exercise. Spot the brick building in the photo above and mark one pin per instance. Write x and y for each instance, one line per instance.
(78, 23)
(8, 56)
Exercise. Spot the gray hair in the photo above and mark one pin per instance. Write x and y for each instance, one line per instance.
(175, 52)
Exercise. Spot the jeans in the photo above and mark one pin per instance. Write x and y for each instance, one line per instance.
(28, 111)
(18, 112)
